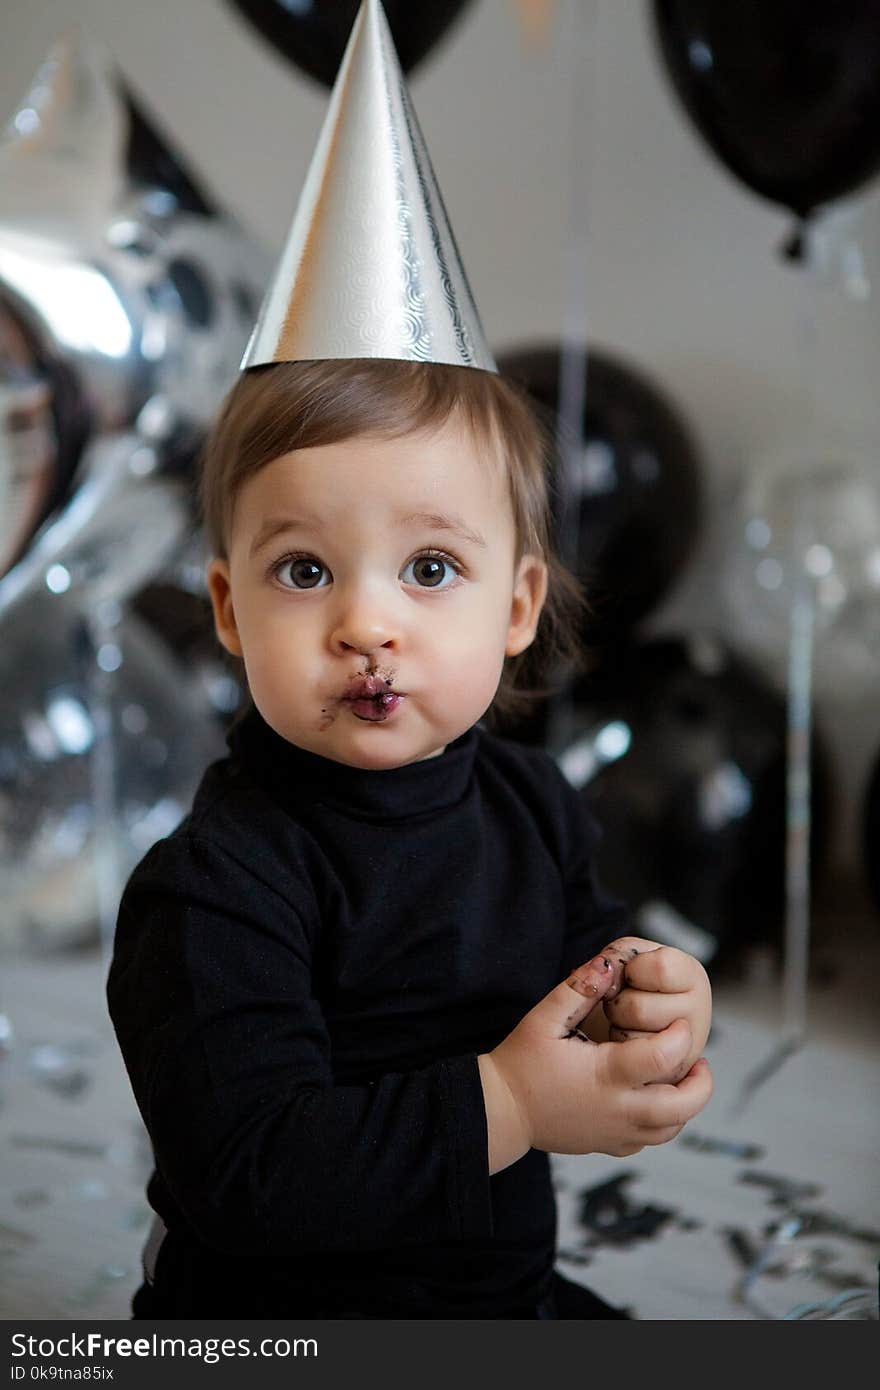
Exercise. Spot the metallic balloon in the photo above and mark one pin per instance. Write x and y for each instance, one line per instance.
(158, 738)
(679, 748)
(637, 482)
(785, 92)
(42, 429)
(313, 35)
(123, 523)
(28, 450)
(809, 524)
(140, 289)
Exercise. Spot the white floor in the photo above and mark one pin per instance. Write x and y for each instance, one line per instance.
(684, 1233)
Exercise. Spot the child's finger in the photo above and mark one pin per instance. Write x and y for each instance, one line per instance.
(629, 946)
(654, 1057)
(616, 1034)
(620, 953)
(645, 1011)
(667, 1109)
(602, 976)
(665, 971)
(566, 1006)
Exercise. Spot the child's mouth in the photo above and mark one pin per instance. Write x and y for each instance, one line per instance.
(375, 708)
(371, 698)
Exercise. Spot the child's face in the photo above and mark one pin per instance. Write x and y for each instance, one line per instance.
(340, 568)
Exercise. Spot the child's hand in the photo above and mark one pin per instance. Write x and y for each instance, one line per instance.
(548, 1088)
(654, 985)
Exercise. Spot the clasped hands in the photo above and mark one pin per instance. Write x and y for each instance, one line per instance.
(647, 986)
(571, 1078)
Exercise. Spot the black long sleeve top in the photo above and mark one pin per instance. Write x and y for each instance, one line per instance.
(304, 974)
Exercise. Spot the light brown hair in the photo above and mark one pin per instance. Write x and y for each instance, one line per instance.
(273, 410)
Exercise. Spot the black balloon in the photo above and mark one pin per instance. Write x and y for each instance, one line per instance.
(785, 92)
(871, 834)
(151, 161)
(693, 812)
(313, 34)
(637, 484)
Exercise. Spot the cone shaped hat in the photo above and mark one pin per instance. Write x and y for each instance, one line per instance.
(371, 268)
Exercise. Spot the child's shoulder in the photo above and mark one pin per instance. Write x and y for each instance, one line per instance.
(232, 830)
(514, 758)
(531, 773)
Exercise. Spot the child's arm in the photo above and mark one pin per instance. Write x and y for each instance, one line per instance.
(229, 1055)
(546, 1087)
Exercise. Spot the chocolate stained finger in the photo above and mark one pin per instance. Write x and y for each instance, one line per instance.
(601, 976)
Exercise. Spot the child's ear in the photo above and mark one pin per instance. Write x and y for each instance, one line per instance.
(529, 592)
(217, 578)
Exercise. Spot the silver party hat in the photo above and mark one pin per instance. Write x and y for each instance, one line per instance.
(370, 268)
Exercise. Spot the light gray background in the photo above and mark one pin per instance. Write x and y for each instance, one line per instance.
(680, 271)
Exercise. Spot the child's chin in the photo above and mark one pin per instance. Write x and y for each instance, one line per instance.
(385, 753)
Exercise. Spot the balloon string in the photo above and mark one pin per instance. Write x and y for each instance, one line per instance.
(796, 961)
(799, 721)
(580, 37)
(797, 865)
(800, 701)
(103, 771)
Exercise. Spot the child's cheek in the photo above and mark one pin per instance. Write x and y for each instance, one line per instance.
(475, 682)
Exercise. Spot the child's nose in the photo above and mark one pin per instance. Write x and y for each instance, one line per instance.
(364, 624)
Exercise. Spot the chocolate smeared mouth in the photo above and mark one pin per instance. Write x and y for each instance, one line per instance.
(371, 698)
(380, 702)
(377, 708)
(368, 688)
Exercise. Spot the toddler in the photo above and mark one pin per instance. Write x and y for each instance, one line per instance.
(350, 988)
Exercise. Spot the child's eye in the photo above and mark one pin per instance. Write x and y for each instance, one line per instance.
(431, 568)
(299, 572)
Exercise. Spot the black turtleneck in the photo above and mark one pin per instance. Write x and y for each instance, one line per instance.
(303, 976)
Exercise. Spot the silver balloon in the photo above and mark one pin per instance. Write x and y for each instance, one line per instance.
(147, 302)
(809, 526)
(75, 712)
(120, 527)
(42, 430)
(27, 454)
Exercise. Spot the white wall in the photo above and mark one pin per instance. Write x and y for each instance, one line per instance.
(681, 270)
